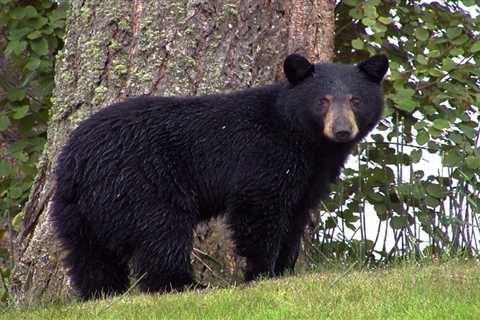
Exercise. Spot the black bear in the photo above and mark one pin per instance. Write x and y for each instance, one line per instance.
(135, 178)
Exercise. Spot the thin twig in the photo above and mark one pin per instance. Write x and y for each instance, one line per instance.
(225, 281)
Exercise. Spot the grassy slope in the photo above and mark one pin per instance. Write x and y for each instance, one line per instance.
(447, 291)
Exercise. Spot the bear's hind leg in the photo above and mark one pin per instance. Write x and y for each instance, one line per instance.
(96, 272)
(162, 262)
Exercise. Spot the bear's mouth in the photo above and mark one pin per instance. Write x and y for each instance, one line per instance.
(343, 136)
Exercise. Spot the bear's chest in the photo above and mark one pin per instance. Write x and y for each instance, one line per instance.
(322, 172)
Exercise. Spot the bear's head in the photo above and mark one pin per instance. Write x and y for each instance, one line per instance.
(337, 102)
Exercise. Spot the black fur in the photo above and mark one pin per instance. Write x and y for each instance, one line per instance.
(375, 67)
(134, 179)
(297, 68)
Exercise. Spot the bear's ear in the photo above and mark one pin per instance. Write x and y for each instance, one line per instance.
(375, 67)
(297, 68)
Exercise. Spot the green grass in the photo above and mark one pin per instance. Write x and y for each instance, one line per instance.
(440, 291)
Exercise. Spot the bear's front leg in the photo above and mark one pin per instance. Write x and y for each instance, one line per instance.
(290, 244)
(257, 233)
(288, 254)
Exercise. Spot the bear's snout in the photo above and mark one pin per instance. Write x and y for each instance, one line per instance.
(340, 122)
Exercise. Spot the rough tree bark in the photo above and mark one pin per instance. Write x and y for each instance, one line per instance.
(116, 49)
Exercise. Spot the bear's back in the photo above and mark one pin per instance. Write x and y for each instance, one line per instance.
(140, 144)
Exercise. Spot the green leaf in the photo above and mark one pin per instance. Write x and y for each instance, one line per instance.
(30, 12)
(473, 162)
(422, 59)
(16, 94)
(429, 109)
(5, 168)
(385, 20)
(419, 125)
(19, 33)
(398, 222)
(404, 99)
(416, 155)
(16, 47)
(371, 11)
(434, 132)
(19, 145)
(47, 4)
(436, 190)
(475, 47)
(433, 146)
(330, 223)
(404, 189)
(456, 52)
(24, 12)
(407, 105)
(431, 201)
(460, 40)
(448, 64)
(17, 221)
(375, 197)
(451, 159)
(467, 130)
(453, 32)
(474, 202)
(28, 77)
(422, 137)
(15, 192)
(39, 46)
(435, 72)
(379, 28)
(58, 14)
(368, 22)
(20, 112)
(419, 174)
(434, 53)
(377, 138)
(34, 35)
(33, 63)
(20, 156)
(357, 44)
(441, 124)
(456, 137)
(422, 34)
(38, 22)
(381, 210)
(18, 13)
(355, 13)
(405, 92)
(4, 121)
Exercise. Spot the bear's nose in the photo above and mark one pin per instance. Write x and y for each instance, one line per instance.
(343, 135)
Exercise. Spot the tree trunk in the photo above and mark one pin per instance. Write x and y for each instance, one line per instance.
(116, 49)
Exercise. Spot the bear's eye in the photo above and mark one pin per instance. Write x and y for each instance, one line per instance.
(324, 102)
(322, 106)
(355, 102)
